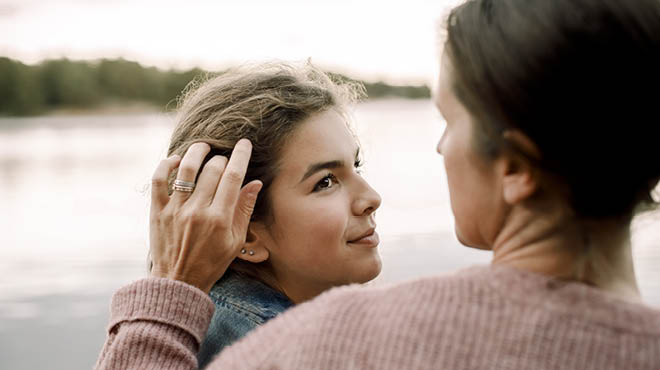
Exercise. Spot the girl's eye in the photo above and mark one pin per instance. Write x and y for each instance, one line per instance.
(326, 182)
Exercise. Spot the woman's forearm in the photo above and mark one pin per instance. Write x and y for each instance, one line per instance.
(156, 323)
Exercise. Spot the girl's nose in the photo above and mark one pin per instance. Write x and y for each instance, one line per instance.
(368, 201)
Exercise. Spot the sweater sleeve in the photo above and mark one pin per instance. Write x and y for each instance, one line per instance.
(155, 323)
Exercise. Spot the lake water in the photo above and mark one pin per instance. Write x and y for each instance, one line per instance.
(75, 206)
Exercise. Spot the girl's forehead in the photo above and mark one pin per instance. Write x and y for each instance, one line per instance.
(325, 132)
(324, 137)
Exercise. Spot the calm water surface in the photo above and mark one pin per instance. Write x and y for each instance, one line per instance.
(75, 205)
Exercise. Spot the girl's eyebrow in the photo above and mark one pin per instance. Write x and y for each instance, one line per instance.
(316, 167)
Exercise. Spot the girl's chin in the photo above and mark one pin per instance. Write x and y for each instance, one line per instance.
(371, 271)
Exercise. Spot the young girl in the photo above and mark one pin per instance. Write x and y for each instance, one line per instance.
(313, 223)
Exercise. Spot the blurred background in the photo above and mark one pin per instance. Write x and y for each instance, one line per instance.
(87, 90)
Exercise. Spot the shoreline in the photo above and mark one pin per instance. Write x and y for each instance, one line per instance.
(137, 107)
(104, 109)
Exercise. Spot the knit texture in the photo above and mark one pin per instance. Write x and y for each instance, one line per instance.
(485, 317)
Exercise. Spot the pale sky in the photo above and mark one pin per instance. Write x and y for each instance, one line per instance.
(371, 39)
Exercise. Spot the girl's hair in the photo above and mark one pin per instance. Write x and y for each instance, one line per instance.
(264, 103)
(580, 78)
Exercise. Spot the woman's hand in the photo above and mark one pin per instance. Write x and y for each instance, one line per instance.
(194, 236)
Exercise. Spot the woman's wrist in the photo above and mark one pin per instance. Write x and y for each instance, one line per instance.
(166, 301)
(200, 281)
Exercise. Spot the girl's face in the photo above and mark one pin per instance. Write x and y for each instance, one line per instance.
(322, 233)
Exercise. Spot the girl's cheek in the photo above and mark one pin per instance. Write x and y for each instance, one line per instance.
(326, 222)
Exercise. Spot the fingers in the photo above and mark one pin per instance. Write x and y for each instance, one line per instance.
(245, 206)
(229, 187)
(189, 167)
(159, 186)
(207, 183)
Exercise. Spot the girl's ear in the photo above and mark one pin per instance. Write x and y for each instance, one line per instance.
(520, 178)
(254, 249)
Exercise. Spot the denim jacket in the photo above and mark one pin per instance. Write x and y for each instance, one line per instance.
(241, 304)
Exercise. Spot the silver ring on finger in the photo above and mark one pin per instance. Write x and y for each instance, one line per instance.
(184, 186)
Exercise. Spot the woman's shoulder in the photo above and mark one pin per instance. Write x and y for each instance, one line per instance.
(465, 280)
(334, 317)
(572, 299)
(484, 290)
(366, 323)
(369, 303)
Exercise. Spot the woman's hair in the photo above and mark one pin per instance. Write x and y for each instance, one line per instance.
(264, 103)
(580, 78)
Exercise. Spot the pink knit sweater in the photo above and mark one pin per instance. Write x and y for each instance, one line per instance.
(486, 317)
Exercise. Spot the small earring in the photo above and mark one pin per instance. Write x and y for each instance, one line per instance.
(251, 253)
(243, 251)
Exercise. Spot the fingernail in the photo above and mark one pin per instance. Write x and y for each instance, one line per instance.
(255, 189)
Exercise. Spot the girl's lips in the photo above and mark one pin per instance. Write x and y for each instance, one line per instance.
(370, 240)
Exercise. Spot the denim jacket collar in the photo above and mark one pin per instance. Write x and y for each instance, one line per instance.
(250, 296)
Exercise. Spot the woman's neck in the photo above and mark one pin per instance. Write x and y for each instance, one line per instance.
(555, 243)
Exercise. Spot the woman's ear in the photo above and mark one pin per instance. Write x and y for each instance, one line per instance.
(254, 249)
(520, 178)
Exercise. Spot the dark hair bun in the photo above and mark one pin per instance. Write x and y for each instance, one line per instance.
(580, 78)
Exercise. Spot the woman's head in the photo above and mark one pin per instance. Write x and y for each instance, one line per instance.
(568, 85)
(295, 117)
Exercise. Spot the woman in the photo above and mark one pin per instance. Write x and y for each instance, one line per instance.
(549, 147)
(313, 225)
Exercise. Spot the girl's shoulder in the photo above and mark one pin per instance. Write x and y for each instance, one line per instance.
(249, 297)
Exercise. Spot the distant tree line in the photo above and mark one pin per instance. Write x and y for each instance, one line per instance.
(62, 83)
